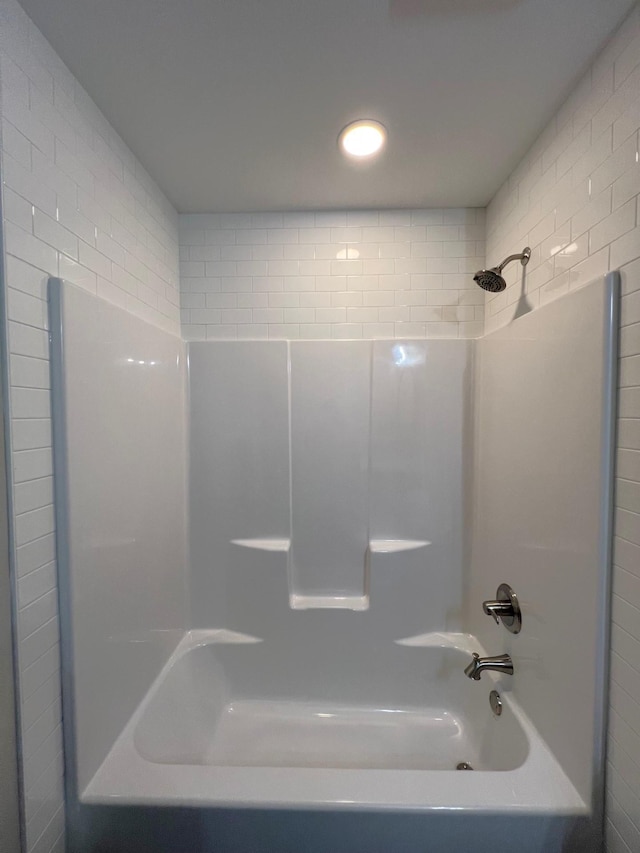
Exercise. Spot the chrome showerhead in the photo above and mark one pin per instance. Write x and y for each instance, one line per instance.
(492, 279)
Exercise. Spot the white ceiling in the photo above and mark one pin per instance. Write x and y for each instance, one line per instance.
(235, 105)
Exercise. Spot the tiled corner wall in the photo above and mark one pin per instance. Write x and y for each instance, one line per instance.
(369, 274)
(575, 199)
(77, 205)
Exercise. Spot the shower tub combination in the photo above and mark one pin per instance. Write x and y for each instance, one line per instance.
(298, 682)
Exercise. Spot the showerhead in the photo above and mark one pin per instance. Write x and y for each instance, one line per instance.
(492, 279)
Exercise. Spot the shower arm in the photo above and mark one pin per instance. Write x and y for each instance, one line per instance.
(523, 257)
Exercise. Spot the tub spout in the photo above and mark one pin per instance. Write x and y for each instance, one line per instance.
(499, 663)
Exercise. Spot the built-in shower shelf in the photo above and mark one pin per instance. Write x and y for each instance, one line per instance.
(329, 602)
(281, 545)
(299, 601)
(395, 546)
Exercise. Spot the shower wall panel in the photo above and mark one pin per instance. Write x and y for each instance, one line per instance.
(421, 417)
(120, 459)
(543, 482)
(328, 475)
(330, 418)
(239, 476)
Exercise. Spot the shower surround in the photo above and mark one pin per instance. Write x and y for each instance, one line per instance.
(351, 503)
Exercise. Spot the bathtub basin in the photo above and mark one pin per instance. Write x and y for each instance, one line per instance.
(235, 722)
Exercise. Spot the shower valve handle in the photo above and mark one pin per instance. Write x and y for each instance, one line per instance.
(497, 609)
(505, 608)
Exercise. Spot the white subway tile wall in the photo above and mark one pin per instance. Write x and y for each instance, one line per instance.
(343, 274)
(78, 205)
(575, 199)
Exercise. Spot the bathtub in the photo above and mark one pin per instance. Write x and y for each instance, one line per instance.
(236, 722)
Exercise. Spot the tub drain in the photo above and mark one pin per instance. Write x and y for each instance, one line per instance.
(464, 766)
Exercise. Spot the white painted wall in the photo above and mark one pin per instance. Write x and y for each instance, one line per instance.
(367, 274)
(575, 199)
(79, 205)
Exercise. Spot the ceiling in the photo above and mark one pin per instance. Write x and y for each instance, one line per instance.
(235, 105)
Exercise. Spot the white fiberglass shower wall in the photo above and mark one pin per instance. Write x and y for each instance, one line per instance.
(335, 586)
(312, 482)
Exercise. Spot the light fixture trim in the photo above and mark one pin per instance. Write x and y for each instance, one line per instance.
(362, 139)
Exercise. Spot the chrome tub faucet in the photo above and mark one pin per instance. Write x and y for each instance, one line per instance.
(498, 663)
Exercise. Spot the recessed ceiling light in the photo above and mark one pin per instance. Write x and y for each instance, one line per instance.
(363, 138)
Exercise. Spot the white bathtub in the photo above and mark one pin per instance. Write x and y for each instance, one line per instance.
(236, 723)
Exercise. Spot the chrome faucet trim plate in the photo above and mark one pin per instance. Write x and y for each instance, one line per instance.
(505, 608)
